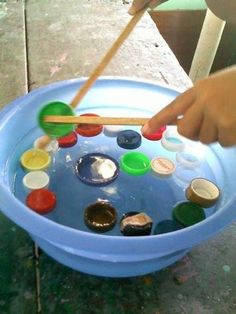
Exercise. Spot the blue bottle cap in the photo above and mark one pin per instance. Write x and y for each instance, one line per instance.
(166, 226)
(97, 169)
(129, 139)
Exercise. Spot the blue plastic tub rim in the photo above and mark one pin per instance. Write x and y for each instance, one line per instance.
(72, 238)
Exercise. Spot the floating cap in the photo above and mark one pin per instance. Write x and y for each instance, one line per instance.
(135, 163)
(172, 141)
(100, 216)
(35, 180)
(129, 139)
(41, 201)
(188, 213)
(155, 136)
(189, 158)
(89, 130)
(35, 159)
(136, 224)
(184, 175)
(97, 169)
(68, 140)
(56, 108)
(162, 166)
(202, 192)
(51, 147)
(112, 130)
(166, 226)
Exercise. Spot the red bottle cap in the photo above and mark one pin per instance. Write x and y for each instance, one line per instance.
(41, 201)
(89, 130)
(155, 136)
(68, 140)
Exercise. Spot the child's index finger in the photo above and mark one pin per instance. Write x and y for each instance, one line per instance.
(171, 113)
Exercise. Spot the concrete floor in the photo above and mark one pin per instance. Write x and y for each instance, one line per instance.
(202, 282)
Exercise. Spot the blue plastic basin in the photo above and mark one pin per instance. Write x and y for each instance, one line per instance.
(62, 233)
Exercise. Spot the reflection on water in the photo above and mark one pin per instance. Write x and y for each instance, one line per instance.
(148, 193)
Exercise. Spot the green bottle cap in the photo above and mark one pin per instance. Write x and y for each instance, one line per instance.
(135, 163)
(56, 108)
(188, 213)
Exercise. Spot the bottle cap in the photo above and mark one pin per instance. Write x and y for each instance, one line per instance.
(89, 130)
(183, 175)
(129, 139)
(188, 213)
(202, 192)
(51, 147)
(162, 166)
(135, 163)
(136, 224)
(56, 108)
(35, 180)
(155, 136)
(100, 216)
(97, 169)
(41, 201)
(68, 140)
(166, 226)
(112, 130)
(188, 158)
(35, 159)
(172, 141)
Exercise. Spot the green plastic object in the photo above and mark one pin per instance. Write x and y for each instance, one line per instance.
(57, 108)
(182, 5)
(188, 213)
(135, 163)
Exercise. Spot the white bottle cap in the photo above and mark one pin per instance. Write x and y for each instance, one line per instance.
(183, 176)
(188, 159)
(51, 147)
(162, 166)
(35, 180)
(172, 141)
(112, 130)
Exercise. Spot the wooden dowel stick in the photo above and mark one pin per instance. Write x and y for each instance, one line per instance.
(96, 120)
(101, 66)
(107, 58)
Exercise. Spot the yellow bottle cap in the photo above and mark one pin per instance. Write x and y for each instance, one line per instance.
(35, 159)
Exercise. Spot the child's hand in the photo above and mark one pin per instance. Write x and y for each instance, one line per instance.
(208, 110)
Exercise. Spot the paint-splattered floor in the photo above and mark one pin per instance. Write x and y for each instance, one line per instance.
(46, 41)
